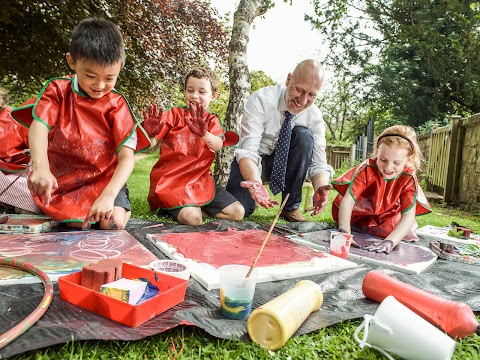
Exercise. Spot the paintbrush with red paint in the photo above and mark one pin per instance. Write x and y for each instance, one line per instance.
(268, 235)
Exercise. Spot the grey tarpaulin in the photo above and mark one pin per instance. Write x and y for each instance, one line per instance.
(343, 299)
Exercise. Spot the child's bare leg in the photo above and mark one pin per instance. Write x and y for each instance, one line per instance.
(190, 216)
(120, 219)
(234, 211)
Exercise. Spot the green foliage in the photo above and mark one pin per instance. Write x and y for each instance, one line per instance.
(258, 80)
(418, 61)
(163, 39)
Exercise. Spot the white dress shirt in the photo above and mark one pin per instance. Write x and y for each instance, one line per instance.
(262, 119)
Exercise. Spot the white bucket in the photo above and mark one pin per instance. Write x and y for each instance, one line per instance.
(397, 329)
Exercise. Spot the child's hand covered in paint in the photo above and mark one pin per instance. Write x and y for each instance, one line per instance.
(102, 209)
(385, 246)
(153, 122)
(42, 183)
(198, 121)
(320, 199)
(259, 193)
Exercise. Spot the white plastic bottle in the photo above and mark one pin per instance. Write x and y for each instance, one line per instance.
(272, 324)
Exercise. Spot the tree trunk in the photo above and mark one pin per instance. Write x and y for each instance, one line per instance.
(239, 78)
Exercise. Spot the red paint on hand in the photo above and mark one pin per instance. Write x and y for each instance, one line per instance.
(198, 121)
(153, 122)
(320, 199)
(259, 193)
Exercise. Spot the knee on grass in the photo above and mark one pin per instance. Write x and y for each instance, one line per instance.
(190, 216)
(234, 212)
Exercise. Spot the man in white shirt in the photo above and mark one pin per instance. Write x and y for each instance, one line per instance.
(263, 117)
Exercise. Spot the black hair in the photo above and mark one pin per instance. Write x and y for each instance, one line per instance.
(98, 40)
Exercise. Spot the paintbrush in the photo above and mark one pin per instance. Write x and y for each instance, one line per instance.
(268, 235)
(288, 231)
(275, 229)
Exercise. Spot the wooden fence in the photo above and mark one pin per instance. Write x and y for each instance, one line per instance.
(443, 159)
(338, 155)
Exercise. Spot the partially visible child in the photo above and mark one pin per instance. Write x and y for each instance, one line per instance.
(14, 160)
(181, 181)
(381, 196)
(83, 134)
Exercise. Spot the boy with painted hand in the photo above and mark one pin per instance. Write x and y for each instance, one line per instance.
(83, 134)
(381, 196)
(181, 181)
(14, 161)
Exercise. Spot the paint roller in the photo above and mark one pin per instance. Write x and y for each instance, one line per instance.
(456, 318)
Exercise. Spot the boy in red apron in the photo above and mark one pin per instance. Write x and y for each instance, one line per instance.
(381, 196)
(83, 134)
(181, 181)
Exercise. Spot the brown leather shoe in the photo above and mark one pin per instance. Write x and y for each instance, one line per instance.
(293, 216)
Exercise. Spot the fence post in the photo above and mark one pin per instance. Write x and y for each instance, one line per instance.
(353, 151)
(454, 161)
(364, 147)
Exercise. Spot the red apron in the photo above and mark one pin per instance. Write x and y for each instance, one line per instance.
(182, 175)
(85, 136)
(379, 203)
(13, 140)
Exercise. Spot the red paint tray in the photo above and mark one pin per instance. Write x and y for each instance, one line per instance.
(172, 292)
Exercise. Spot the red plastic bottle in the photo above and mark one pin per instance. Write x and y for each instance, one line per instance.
(456, 318)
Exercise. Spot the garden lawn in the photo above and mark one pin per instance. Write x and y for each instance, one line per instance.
(185, 342)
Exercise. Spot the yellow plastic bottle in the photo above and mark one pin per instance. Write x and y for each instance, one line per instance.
(308, 197)
(272, 324)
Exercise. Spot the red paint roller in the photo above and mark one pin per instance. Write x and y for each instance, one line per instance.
(456, 318)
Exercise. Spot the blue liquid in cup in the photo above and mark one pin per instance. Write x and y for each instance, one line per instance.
(236, 309)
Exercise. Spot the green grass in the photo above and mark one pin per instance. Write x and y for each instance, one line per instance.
(333, 342)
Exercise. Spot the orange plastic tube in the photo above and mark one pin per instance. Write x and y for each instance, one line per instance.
(455, 318)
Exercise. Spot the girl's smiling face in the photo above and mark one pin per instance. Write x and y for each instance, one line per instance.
(391, 161)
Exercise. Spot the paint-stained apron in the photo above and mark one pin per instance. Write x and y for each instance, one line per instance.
(13, 164)
(85, 136)
(182, 175)
(379, 204)
(13, 142)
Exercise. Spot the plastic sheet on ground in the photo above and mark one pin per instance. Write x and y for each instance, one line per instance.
(343, 299)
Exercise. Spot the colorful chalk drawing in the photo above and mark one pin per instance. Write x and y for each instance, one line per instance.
(405, 257)
(62, 253)
(205, 252)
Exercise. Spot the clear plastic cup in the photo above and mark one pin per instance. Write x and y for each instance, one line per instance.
(236, 291)
(340, 244)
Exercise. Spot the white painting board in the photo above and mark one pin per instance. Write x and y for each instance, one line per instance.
(27, 224)
(202, 253)
(435, 233)
(405, 257)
